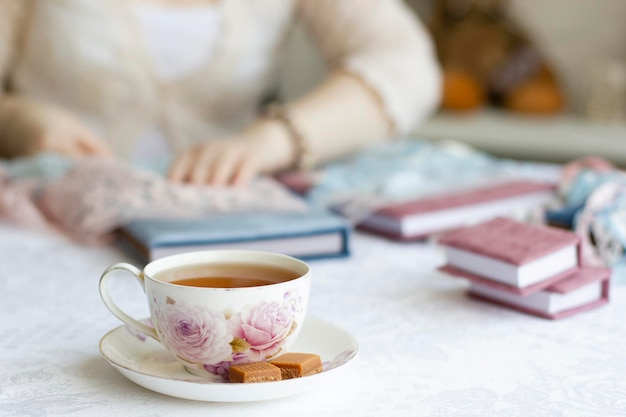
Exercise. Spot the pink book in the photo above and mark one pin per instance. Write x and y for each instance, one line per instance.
(423, 217)
(584, 289)
(512, 253)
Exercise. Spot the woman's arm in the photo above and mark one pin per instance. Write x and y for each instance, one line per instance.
(27, 126)
(383, 79)
(336, 118)
(383, 74)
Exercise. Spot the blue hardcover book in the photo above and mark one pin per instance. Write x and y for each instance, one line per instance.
(307, 235)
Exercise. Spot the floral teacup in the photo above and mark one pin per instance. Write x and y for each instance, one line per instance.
(210, 328)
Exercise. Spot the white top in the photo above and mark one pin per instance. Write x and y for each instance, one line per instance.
(178, 41)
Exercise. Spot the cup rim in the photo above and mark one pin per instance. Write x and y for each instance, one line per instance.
(211, 256)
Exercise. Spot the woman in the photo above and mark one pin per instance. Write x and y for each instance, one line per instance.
(148, 79)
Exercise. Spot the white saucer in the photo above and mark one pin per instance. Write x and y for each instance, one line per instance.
(149, 364)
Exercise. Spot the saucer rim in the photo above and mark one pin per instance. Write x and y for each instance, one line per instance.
(289, 387)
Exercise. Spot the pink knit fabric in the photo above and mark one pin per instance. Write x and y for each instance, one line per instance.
(98, 195)
(17, 205)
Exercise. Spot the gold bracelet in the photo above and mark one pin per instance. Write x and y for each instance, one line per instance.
(304, 159)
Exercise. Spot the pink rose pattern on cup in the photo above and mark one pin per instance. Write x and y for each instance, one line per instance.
(195, 333)
(198, 334)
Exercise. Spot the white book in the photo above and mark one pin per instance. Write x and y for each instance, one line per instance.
(524, 275)
(544, 301)
(512, 253)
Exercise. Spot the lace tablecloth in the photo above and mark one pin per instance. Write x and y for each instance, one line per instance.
(425, 348)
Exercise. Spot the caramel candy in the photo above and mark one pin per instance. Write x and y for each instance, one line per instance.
(254, 372)
(294, 365)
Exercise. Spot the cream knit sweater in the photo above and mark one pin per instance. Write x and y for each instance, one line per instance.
(87, 56)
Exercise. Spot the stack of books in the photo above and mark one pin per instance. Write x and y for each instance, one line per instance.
(531, 268)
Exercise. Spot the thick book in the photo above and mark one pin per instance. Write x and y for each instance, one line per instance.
(422, 217)
(583, 289)
(510, 252)
(305, 235)
(412, 189)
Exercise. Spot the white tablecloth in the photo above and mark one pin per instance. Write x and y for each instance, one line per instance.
(425, 348)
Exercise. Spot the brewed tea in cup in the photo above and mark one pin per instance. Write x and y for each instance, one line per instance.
(212, 309)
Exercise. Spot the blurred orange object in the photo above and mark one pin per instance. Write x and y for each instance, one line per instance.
(535, 97)
(461, 91)
(489, 60)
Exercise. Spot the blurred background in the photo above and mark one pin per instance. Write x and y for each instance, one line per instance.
(527, 79)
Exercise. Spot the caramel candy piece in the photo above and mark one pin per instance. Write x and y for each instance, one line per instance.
(254, 372)
(295, 365)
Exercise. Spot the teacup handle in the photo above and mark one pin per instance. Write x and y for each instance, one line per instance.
(104, 293)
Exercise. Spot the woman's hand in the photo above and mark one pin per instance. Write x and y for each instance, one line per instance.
(263, 148)
(28, 128)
